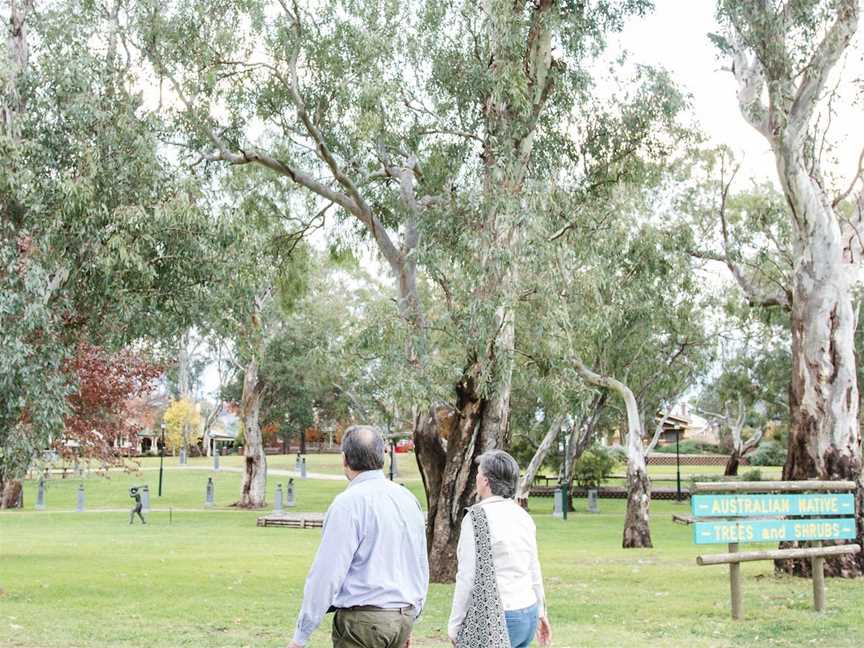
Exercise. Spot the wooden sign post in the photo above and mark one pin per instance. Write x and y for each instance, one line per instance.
(746, 512)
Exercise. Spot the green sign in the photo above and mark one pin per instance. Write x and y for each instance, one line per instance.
(768, 505)
(745, 531)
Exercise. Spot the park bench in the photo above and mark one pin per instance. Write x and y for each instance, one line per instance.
(292, 520)
(800, 511)
(545, 480)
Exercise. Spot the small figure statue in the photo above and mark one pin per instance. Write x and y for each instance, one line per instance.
(134, 494)
(208, 502)
(289, 493)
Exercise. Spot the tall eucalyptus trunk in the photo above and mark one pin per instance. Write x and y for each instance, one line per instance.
(538, 459)
(12, 106)
(481, 419)
(637, 530)
(253, 490)
(825, 438)
(184, 390)
(18, 53)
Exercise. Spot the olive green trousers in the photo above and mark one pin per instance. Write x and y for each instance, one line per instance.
(370, 628)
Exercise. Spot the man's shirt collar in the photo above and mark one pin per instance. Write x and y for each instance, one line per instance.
(366, 475)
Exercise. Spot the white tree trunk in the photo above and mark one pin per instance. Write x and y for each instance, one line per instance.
(538, 458)
(495, 424)
(253, 490)
(183, 385)
(637, 530)
(11, 102)
(825, 439)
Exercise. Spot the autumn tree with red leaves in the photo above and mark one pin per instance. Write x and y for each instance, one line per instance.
(101, 421)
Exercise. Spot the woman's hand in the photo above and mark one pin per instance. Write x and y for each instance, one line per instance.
(544, 632)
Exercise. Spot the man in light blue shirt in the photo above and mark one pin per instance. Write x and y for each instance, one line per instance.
(371, 565)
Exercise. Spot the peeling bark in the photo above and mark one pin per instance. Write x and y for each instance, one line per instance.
(825, 439)
(637, 530)
(10, 493)
(253, 490)
(448, 469)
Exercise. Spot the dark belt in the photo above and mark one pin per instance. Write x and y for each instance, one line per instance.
(371, 608)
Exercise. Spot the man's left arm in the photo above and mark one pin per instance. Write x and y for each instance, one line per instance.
(339, 542)
(423, 563)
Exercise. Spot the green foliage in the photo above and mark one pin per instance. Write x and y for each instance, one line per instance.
(522, 449)
(689, 446)
(694, 479)
(752, 475)
(594, 467)
(100, 238)
(769, 453)
(401, 80)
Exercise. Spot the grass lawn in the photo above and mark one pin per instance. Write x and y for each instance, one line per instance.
(212, 578)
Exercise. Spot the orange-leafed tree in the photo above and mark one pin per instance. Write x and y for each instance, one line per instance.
(101, 425)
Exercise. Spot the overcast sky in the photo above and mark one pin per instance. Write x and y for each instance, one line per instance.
(675, 37)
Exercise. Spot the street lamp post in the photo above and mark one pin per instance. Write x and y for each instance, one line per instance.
(565, 491)
(161, 456)
(678, 464)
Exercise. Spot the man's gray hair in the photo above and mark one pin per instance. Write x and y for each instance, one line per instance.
(363, 447)
(501, 470)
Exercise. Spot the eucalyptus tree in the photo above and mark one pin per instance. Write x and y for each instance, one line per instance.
(427, 125)
(567, 408)
(628, 303)
(751, 388)
(785, 52)
(317, 362)
(261, 276)
(740, 446)
(783, 57)
(99, 240)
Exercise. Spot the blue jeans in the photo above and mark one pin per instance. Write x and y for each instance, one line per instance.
(521, 626)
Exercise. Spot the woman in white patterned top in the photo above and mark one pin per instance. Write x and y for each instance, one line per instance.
(514, 554)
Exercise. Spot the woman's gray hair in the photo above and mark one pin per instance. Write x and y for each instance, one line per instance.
(363, 447)
(501, 470)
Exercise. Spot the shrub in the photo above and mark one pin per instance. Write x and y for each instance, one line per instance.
(618, 453)
(688, 447)
(769, 453)
(691, 482)
(593, 467)
(752, 475)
